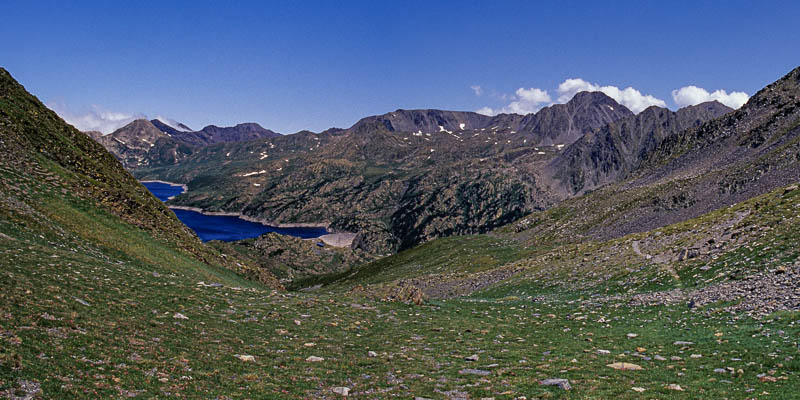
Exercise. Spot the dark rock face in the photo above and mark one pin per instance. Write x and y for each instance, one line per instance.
(618, 148)
(566, 123)
(427, 121)
(436, 206)
(214, 134)
(169, 130)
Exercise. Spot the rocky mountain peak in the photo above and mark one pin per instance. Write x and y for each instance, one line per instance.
(139, 130)
(427, 120)
(566, 123)
(589, 98)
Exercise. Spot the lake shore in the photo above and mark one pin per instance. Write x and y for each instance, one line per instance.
(185, 187)
(335, 239)
(252, 219)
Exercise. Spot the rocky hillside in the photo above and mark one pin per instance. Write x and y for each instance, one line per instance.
(704, 221)
(724, 161)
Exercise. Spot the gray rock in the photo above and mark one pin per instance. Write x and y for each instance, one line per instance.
(471, 371)
(562, 383)
(23, 390)
(80, 301)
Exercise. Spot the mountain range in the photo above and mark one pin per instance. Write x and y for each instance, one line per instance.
(143, 143)
(405, 177)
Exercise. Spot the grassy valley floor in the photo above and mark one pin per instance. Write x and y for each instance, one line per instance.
(75, 326)
(85, 321)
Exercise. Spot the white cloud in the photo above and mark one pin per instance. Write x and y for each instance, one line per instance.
(531, 100)
(692, 95)
(477, 89)
(526, 101)
(97, 119)
(486, 111)
(172, 123)
(629, 97)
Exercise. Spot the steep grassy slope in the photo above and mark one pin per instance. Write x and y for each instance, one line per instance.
(40, 149)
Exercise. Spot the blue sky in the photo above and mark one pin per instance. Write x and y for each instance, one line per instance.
(313, 65)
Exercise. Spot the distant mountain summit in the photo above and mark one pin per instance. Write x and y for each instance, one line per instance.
(146, 144)
(566, 123)
(213, 134)
(141, 144)
(426, 121)
(559, 124)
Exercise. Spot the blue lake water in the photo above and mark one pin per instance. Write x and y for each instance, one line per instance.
(225, 228)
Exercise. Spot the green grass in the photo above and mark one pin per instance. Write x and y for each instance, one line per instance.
(128, 341)
(452, 255)
(544, 323)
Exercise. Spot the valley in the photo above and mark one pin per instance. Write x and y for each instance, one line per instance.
(578, 253)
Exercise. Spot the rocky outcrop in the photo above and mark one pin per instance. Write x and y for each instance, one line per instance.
(612, 152)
